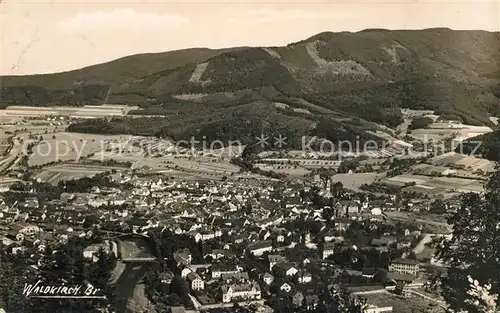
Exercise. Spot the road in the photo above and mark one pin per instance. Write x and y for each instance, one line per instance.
(196, 303)
(419, 248)
(403, 128)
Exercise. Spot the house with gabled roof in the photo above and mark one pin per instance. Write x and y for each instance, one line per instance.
(195, 281)
(240, 292)
(259, 247)
(275, 259)
(220, 269)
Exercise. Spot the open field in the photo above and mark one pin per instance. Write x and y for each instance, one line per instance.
(440, 131)
(6, 182)
(228, 152)
(21, 136)
(289, 170)
(433, 170)
(55, 174)
(87, 111)
(64, 146)
(355, 180)
(465, 161)
(431, 223)
(436, 184)
(400, 304)
(178, 166)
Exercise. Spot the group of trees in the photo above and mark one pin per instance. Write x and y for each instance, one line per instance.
(163, 295)
(85, 184)
(472, 283)
(400, 166)
(420, 122)
(45, 192)
(329, 301)
(348, 165)
(438, 206)
(486, 145)
(250, 69)
(38, 96)
(473, 253)
(58, 265)
(246, 165)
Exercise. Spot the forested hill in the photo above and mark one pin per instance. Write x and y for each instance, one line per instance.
(354, 74)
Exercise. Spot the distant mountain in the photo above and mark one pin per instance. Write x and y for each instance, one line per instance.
(128, 68)
(367, 75)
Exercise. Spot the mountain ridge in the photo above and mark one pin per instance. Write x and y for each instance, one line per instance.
(367, 74)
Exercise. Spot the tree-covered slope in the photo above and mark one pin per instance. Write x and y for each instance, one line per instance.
(368, 74)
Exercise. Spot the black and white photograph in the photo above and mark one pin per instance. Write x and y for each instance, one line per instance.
(249, 156)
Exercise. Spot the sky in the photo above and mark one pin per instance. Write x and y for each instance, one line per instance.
(46, 36)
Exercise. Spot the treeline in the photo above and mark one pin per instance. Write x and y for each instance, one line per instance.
(38, 96)
(85, 184)
(59, 265)
(375, 104)
(486, 146)
(116, 126)
(420, 122)
(45, 192)
(345, 132)
(242, 123)
(246, 165)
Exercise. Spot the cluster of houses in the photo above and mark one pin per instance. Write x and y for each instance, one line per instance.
(226, 280)
(252, 216)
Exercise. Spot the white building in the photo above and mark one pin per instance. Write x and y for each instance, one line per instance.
(195, 281)
(304, 277)
(376, 309)
(185, 271)
(286, 287)
(258, 248)
(25, 229)
(268, 278)
(223, 269)
(275, 259)
(328, 249)
(204, 236)
(405, 266)
(241, 292)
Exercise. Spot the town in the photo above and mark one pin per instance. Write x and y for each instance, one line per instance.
(286, 159)
(203, 240)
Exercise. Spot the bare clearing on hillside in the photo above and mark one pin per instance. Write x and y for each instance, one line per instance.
(303, 111)
(393, 51)
(273, 53)
(343, 67)
(198, 73)
(280, 105)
